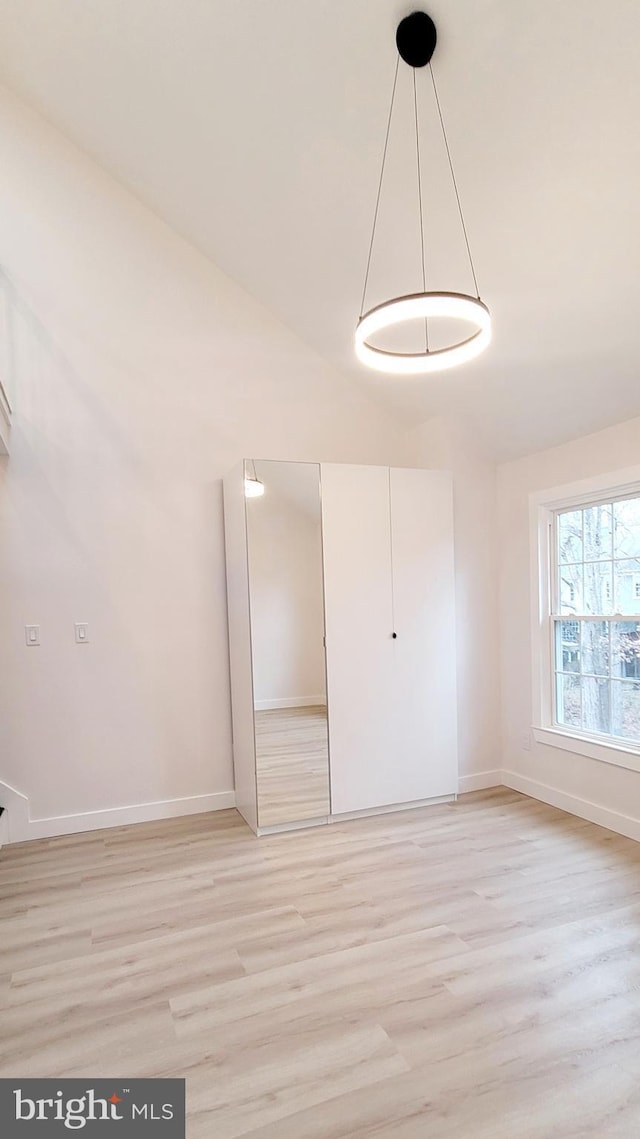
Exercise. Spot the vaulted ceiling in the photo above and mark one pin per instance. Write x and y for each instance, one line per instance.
(255, 129)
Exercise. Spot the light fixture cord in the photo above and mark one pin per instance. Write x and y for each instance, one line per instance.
(455, 184)
(424, 275)
(384, 159)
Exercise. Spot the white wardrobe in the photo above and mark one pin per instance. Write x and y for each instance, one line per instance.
(386, 547)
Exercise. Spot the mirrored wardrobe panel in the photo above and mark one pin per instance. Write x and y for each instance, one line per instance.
(284, 544)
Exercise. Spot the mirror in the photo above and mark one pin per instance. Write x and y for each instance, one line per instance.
(284, 537)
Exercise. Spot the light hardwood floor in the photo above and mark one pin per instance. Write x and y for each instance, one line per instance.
(470, 970)
(292, 765)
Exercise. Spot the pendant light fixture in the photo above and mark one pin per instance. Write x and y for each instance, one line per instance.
(253, 488)
(416, 38)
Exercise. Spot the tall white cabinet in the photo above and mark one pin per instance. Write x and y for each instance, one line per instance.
(390, 641)
(390, 635)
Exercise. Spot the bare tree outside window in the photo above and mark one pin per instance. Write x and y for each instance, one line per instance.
(597, 619)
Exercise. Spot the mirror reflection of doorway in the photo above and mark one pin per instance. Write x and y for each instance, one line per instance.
(287, 632)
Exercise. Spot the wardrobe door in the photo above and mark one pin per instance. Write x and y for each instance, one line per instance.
(359, 646)
(426, 763)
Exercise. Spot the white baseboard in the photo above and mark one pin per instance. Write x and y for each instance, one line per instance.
(20, 827)
(290, 702)
(479, 781)
(16, 824)
(390, 808)
(583, 808)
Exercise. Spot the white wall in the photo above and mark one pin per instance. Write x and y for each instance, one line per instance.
(287, 607)
(611, 794)
(140, 375)
(452, 444)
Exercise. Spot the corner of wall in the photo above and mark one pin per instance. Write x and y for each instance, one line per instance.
(14, 824)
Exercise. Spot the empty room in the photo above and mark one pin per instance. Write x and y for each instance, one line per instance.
(319, 569)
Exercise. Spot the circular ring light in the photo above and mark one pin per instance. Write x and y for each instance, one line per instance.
(456, 306)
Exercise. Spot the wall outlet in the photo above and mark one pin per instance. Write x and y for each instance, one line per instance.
(82, 633)
(32, 635)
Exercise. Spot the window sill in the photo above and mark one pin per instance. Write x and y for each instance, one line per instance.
(616, 754)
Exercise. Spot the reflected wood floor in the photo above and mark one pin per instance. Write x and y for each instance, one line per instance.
(292, 765)
(469, 970)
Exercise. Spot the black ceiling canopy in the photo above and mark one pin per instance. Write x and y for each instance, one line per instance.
(416, 38)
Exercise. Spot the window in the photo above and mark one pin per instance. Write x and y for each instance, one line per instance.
(594, 611)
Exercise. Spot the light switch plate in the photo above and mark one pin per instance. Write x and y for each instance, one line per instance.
(82, 633)
(32, 635)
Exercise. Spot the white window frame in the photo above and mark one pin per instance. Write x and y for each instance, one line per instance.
(543, 506)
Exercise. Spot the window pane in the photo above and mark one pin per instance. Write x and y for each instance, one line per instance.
(625, 649)
(595, 647)
(595, 705)
(625, 709)
(571, 589)
(567, 646)
(569, 710)
(627, 586)
(597, 522)
(626, 524)
(598, 588)
(570, 536)
(597, 661)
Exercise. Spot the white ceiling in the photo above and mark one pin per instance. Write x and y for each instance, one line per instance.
(255, 128)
